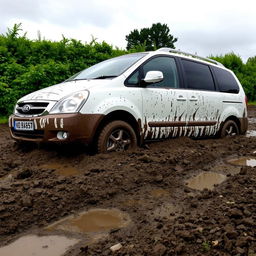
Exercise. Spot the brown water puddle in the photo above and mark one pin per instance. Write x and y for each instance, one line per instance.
(95, 220)
(206, 180)
(159, 193)
(243, 161)
(32, 245)
(61, 169)
(251, 133)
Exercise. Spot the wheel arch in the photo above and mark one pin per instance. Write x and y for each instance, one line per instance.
(235, 119)
(121, 115)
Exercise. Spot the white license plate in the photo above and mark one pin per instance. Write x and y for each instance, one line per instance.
(24, 125)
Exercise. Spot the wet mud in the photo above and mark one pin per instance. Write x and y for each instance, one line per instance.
(156, 212)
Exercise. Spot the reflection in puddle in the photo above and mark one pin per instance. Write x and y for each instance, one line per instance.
(244, 161)
(95, 220)
(159, 192)
(250, 133)
(32, 245)
(61, 169)
(206, 180)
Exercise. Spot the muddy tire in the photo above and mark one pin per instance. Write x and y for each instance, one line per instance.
(116, 136)
(229, 129)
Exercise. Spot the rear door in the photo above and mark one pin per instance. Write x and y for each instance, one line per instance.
(204, 102)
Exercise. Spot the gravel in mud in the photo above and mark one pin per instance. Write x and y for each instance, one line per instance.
(40, 185)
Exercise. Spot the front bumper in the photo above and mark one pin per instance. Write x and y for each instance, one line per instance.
(80, 127)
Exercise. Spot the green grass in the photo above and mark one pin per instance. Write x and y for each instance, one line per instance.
(3, 120)
(252, 103)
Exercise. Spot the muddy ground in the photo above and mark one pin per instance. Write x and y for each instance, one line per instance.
(148, 184)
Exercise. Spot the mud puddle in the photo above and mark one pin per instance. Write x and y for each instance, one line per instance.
(243, 161)
(61, 169)
(251, 133)
(205, 180)
(159, 193)
(32, 245)
(95, 220)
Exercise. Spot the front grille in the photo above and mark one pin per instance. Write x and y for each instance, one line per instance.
(37, 134)
(31, 108)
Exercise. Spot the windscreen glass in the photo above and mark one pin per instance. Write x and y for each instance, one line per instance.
(108, 69)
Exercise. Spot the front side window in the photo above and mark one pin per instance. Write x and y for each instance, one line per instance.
(226, 81)
(168, 67)
(198, 76)
(109, 68)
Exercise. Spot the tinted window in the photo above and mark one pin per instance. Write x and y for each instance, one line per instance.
(168, 67)
(199, 76)
(226, 81)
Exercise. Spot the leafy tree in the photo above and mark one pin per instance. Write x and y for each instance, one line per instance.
(151, 38)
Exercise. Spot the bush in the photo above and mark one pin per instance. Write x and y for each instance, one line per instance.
(27, 66)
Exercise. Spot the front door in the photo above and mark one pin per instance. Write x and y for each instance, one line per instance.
(164, 103)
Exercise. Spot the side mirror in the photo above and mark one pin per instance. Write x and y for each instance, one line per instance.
(153, 77)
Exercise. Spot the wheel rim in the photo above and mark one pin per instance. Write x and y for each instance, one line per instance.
(119, 140)
(231, 130)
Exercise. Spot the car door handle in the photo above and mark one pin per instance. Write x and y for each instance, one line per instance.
(193, 98)
(181, 98)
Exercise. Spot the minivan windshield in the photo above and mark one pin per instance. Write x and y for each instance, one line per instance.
(109, 68)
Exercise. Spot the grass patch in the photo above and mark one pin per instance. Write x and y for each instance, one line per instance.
(3, 120)
(252, 103)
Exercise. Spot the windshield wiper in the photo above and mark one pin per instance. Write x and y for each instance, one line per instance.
(75, 79)
(103, 77)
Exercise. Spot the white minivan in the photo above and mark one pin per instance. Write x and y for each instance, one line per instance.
(122, 102)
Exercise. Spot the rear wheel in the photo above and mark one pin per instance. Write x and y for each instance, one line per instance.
(229, 129)
(116, 136)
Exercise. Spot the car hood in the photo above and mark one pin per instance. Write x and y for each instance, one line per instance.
(58, 91)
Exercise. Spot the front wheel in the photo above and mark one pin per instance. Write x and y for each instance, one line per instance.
(116, 136)
(229, 129)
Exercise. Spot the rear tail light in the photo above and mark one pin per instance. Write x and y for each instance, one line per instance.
(246, 100)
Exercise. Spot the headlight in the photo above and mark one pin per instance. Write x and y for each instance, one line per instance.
(70, 104)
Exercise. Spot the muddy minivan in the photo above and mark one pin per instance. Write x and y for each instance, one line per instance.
(122, 102)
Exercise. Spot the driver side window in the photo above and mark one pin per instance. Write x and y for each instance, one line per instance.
(168, 67)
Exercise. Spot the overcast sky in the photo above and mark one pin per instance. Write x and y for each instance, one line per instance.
(201, 26)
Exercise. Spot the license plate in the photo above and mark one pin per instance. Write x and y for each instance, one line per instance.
(24, 125)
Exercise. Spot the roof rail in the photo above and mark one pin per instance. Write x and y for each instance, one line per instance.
(165, 49)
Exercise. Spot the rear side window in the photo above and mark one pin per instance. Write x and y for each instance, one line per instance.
(198, 76)
(226, 81)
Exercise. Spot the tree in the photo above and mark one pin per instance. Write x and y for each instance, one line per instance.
(151, 38)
